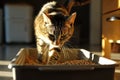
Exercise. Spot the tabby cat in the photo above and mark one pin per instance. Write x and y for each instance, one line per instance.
(53, 27)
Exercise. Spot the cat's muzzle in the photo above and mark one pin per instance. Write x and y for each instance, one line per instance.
(56, 49)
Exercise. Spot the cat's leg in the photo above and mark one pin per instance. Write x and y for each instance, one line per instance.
(40, 45)
(42, 48)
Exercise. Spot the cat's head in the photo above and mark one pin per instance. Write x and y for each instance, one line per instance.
(59, 28)
(55, 28)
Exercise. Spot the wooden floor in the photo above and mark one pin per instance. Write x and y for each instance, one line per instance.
(5, 73)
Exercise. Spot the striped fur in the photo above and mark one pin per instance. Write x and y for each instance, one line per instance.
(53, 27)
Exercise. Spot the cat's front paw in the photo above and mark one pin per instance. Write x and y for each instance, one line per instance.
(39, 57)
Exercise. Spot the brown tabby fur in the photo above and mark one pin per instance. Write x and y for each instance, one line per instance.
(53, 27)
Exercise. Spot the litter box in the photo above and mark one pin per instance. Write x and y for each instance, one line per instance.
(103, 69)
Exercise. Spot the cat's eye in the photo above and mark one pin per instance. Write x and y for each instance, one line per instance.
(71, 25)
(51, 37)
(46, 24)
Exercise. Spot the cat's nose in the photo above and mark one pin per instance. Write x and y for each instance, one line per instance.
(57, 42)
(55, 48)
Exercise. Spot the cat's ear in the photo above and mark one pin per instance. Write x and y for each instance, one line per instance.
(71, 18)
(46, 18)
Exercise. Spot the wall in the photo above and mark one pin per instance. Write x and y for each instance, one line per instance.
(95, 22)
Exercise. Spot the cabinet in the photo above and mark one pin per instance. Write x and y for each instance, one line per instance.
(110, 30)
(110, 5)
(18, 23)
